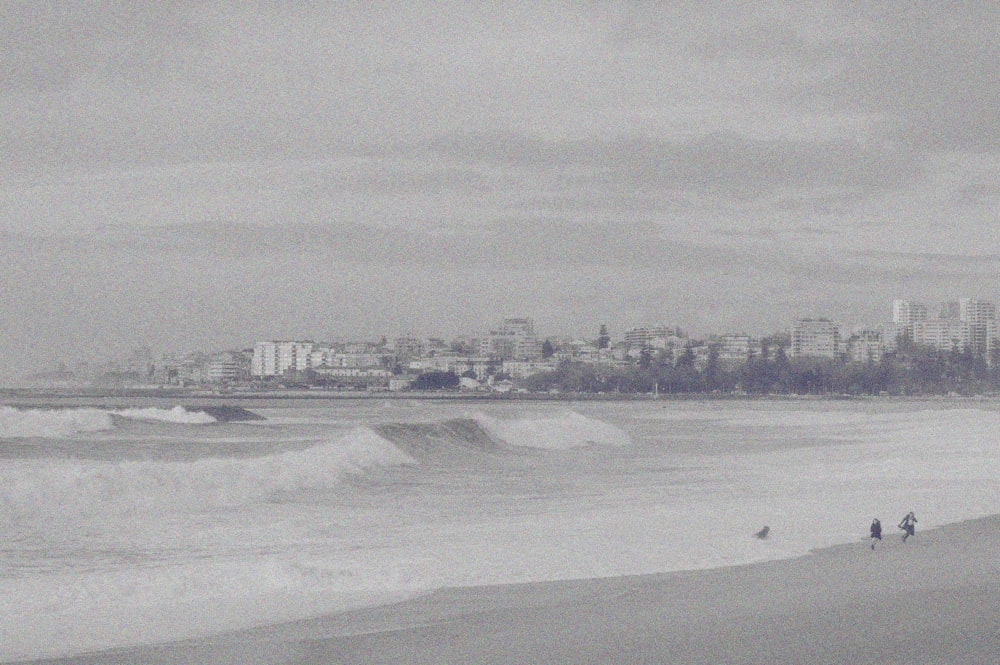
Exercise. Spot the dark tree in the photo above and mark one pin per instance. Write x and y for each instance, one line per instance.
(603, 338)
(645, 357)
(686, 359)
(436, 381)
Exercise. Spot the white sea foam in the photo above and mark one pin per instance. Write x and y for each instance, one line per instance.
(799, 418)
(178, 414)
(260, 561)
(60, 423)
(66, 487)
(562, 431)
(75, 612)
(51, 423)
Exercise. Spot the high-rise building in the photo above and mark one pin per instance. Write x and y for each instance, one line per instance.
(976, 311)
(515, 339)
(950, 310)
(908, 312)
(865, 346)
(277, 357)
(943, 334)
(981, 315)
(815, 337)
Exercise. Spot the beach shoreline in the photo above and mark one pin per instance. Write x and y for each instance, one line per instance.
(933, 599)
(97, 397)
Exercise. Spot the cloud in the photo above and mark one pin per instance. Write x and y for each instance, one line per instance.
(510, 245)
(49, 46)
(148, 83)
(723, 163)
(700, 164)
(926, 71)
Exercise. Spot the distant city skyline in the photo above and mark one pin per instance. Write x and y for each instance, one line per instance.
(823, 336)
(193, 177)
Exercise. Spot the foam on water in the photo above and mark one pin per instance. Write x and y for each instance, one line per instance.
(51, 423)
(561, 431)
(59, 488)
(178, 414)
(71, 613)
(495, 512)
(61, 423)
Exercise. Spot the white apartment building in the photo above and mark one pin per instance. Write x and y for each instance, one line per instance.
(522, 369)
(865, 346)
(355, 372)
(981, 315)
(815, 337)
(644, 336)
(276, 357)
(955, 335)
(977, 311)
(225, 368)
(943, 334)
(736, 349)
(891, 333)
(515, 339)
(908, 312)
(459, 364)
(326, 357)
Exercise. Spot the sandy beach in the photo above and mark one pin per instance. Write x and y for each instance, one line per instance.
(934, 599)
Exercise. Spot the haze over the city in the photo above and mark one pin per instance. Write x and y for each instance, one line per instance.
(200, 176)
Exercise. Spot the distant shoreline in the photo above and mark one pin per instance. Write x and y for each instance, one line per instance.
(25, 397)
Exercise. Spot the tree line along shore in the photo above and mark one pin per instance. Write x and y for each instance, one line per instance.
(912, 370)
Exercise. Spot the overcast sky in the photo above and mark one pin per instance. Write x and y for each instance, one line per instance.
(198, 176)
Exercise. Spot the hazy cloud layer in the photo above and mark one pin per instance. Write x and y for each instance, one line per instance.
(168, 167)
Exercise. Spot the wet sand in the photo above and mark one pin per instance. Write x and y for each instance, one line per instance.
(934, 599)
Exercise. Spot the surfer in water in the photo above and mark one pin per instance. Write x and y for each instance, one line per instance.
(908, 525)
(876, 531)
(762, 534)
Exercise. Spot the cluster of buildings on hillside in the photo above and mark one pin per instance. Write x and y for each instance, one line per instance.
(963, 325)
(513, 350)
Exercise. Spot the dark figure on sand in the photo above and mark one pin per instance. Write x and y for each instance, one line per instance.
(876, 531)
(762, 534)
(908, 525)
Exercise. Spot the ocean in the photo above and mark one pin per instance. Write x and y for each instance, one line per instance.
(153, 522)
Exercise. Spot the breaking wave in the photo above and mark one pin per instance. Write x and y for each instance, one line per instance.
(178, 414)
(59, 423)
(86, 487)
(560, 432)
(486, 434)
(444, 439)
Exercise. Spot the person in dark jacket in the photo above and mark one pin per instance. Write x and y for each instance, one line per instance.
(876, 531)
(908, 525)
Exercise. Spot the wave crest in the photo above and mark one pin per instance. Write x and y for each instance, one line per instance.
(178, 414)
(559, 432)
(95, 488)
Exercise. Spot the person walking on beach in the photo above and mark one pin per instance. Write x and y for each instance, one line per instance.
(908, 525)
(876, 531)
